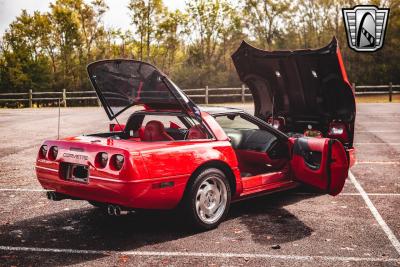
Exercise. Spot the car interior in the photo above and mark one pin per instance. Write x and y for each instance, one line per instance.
(149, 127)
(257, 149)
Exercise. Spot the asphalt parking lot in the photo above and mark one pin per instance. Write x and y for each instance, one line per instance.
(360, 227)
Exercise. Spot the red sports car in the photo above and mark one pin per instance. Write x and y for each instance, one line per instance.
(173, 153)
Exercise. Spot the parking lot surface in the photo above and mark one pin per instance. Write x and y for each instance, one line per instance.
(359, 227)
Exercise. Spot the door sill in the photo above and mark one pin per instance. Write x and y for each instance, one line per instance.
(272, 188)
(267, 181)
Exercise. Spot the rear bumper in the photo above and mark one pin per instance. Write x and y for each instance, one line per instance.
(140, 194)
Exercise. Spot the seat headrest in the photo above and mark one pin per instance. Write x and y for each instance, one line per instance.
(154, 126)
(154, 131)
(195, 132)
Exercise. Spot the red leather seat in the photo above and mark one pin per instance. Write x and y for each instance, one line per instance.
(154, 131)
(141, 133)
(195, 132)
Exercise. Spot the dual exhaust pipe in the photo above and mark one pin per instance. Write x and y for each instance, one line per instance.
(112, 210)
(51, 195)
(115, 210)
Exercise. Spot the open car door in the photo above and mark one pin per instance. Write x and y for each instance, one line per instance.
(320, 163)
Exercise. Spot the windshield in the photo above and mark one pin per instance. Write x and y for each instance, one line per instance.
(121, 84)
(234, 121)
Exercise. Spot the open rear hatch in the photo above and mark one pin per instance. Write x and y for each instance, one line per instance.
(303, 87)
(121, 84)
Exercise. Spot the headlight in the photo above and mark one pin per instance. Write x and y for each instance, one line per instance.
(53, 152)
(43, 151)
(118, 161)
(102, 159)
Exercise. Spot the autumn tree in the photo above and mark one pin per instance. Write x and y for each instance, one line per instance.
(211, 25)
(266, 19)
(145, 16)
(25, 65)
(50, 50)
(170, 29)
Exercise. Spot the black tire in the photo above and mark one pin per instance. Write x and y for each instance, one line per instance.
(192, 197)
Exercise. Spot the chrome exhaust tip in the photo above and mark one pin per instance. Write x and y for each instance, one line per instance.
(115, 210)
(50, 195)
(111, 210)
(54, 196)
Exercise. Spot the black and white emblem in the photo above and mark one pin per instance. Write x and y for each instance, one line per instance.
(365, 27)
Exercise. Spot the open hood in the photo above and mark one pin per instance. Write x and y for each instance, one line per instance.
(121, 84)
(301, 85)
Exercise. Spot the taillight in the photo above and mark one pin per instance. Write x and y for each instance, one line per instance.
(117, 161)
(335, 131)
(338, 131)
(101, 159)
(43, 151)
(53, 152)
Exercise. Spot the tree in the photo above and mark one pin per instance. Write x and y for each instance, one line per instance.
(266, 19)
(25, 66)
(169, 30)
(145, 15)
(50, 50)
(212, 26)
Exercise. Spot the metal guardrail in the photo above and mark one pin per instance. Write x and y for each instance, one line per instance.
(205, 93)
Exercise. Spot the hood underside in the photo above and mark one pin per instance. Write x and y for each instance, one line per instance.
(299, 85)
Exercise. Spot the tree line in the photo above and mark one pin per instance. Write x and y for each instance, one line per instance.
(47, 51)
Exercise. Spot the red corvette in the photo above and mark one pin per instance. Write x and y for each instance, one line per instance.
(175, 153)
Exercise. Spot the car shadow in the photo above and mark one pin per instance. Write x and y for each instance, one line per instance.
(267, 219)
(90, 229)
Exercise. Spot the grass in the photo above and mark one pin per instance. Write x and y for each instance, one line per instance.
(359, 99)
(377, 99)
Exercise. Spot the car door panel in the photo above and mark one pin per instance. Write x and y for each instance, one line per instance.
(320, 163)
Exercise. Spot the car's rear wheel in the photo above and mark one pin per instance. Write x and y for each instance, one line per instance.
(208, 198)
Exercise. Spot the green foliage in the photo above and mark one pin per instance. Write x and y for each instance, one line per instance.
(50, 51)
(266, 19)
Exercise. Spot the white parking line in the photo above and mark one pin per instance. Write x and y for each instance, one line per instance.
(378, 131)
(384, 194)
(24, 189)
(395, 242)
(380, 143)
(379, 162)
(296, 193)
(353, 194)
(199, 254)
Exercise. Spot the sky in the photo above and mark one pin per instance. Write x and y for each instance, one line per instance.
(117, 15)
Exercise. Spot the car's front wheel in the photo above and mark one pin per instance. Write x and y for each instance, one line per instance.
(208, 198)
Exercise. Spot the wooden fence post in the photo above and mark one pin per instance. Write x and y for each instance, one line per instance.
(354, 87)
(243, 94)
(390, 91)
(30, 98)
(64, 97)
(206, 95)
